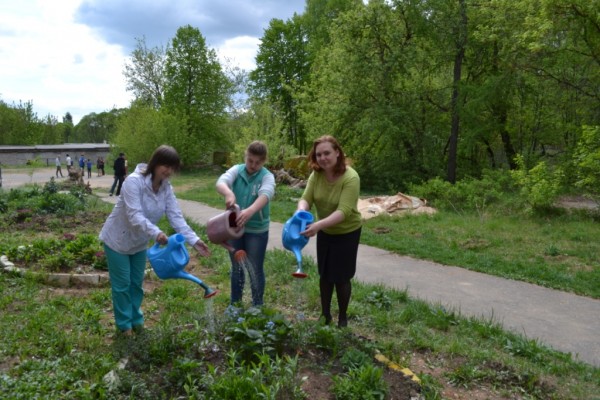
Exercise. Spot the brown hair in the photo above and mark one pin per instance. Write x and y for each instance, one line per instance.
(340, 166)
(257, 148)
(163, 155)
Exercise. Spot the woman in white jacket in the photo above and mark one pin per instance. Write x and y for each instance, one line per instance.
(146, 196)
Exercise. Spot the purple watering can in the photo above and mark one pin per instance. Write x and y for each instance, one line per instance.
(168, 262)
(222, 228)
(293, 240)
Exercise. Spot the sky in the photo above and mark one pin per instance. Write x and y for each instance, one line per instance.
(69, 55)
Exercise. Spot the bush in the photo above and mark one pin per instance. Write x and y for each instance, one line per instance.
(587, 162)
(468, 194)
(539, 186)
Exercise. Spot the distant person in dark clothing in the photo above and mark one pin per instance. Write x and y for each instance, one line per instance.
(119, 167)
(100, 166)
(82, 164)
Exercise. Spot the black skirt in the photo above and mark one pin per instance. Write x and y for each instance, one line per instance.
(336, 255)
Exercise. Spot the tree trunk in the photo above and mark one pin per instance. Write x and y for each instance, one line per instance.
(461, 42)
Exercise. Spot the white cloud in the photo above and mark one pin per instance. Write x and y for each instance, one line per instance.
(66, 66)
(240, 51)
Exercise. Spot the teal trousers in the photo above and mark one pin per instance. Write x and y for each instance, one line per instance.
(126, 274)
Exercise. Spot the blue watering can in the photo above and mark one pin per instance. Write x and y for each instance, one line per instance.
(169, 261)
(293, 240)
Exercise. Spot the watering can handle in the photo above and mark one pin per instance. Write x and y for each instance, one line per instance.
(302, 222)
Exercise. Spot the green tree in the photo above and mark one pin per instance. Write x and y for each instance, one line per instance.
(259, 122)
(96, 127)
(282, 68)
(145, 73)
(67, 127)
(142, 128)
(197, 90)
(587, 162)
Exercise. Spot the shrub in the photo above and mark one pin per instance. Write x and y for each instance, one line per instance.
(364, 383)
(256, 331)
(587, 161)
(539, 186)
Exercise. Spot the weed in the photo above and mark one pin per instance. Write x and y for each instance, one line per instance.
(363, 383)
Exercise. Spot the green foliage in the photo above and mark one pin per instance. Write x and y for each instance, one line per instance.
(197, 90)
(380, 300)
(363, 383)
(467, 194)
(540, 186)
(141, 129)
(260, 122)
(355, 359)
(587, 161)
(59, 255)
(267, 378)
(282, 68)
(256, 331)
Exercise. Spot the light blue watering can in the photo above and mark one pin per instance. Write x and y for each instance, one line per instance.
(168, 262)
(293, 240)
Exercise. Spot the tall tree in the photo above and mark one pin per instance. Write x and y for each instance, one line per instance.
(282, 68)
(68, 127)
(461, 44)
(196, 88)
(145, 73)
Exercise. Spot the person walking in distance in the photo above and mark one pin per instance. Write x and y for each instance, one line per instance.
(69, 163)
(251, 186)
(119, 167)
(333, 188)
(58, 167)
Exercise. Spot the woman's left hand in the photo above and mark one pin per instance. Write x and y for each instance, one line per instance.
(202, 248)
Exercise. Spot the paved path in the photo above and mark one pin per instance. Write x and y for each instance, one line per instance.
(563, 321)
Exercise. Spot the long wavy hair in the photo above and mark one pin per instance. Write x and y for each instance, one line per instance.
(340, 166)
(163, 155)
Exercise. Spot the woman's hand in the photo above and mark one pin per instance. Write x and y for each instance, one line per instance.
(311, 230)
(230, 200)
(243, 217)
(161, 238)
(202, 248)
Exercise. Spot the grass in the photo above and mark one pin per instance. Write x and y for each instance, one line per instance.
(560, 252)
(60, 343)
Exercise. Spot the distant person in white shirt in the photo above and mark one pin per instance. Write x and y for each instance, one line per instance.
(58, 167)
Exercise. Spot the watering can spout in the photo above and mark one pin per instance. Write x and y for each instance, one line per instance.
(208, 292)
(169, 261)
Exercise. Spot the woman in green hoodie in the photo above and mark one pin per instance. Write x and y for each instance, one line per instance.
(251, 186)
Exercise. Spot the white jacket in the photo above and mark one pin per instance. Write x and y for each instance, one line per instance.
(132, 223)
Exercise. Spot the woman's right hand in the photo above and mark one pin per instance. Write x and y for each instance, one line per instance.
(161, 238)
(229, 200)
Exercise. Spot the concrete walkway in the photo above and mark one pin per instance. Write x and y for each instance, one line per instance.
(563, 321)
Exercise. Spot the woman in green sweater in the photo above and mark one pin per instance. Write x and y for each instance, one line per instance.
(333, 188)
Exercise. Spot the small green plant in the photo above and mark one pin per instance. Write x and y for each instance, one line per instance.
(265, 378)
(354, 359)
(256, 331)
(380, 300)
(326, 337)
(364, 383)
